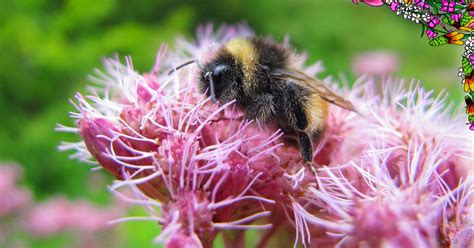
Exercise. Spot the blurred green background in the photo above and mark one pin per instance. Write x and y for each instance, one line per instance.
(48, 47)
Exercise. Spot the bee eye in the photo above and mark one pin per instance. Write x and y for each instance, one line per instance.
(219, 71)
(219, 80)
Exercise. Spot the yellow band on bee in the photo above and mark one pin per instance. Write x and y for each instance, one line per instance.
(244, 52)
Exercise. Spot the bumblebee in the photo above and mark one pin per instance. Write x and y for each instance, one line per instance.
(263, 78)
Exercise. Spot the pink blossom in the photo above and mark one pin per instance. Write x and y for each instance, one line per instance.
(456, 17)
(59, 215)
(431, 34)
(13, 198)
(375, 63)
(394, 6)
(20, 215)
(448, 5)
(422, 4)
(396, 173)
(182, 241)
(370, 2)
(433, 22)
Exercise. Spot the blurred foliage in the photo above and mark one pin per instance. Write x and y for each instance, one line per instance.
(49, 47)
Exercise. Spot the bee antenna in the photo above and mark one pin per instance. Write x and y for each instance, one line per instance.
(181, 66)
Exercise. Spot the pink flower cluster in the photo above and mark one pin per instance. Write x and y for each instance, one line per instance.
(59, 215)
(375, 3)
(397, 173)
(13, 198)
(375, 63)
(20, 215)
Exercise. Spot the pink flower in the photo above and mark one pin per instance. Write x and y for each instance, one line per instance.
(13, 198)
(396, 173)
(375, 63)
(433, 21)
(431, 34)
(456, 17)
(448, 6)
(14, 201)
(370, 2)
(182, 241)
(20, 215)
(422, 4)
(59, 215)
(403, 170)
(394, 6)
(49, 218)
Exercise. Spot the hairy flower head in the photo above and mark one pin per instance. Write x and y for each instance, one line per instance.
(199, 168)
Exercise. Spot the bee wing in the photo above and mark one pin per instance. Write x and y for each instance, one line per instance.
(318, 87)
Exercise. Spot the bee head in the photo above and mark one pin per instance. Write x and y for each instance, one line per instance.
(222, 80)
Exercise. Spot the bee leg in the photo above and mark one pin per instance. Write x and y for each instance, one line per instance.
(297, 118)
(263, 108)
(307, 152)
(306, 147)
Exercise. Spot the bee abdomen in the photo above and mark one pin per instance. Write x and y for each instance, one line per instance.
(317, 111)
